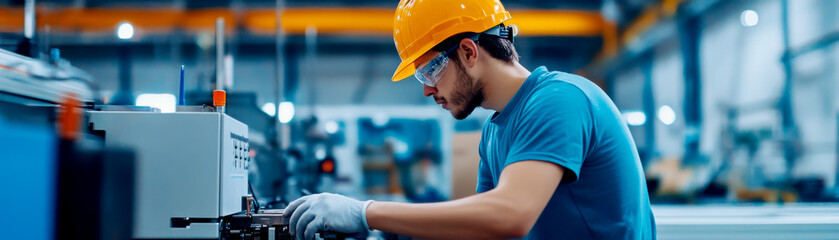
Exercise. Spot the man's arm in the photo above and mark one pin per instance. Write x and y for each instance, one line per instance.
(507, 211)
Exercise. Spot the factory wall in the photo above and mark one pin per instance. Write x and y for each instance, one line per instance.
(339, 79)
(742, 79)
(668, 90)
(743, 67)
(815, 86)
(627, 87)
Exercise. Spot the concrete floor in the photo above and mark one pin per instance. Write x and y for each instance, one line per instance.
(790, 221)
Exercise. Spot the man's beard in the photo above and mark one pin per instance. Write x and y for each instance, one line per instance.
(467, 93)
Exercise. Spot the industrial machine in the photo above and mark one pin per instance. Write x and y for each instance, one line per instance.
(191, 164)
(192, 174)
(265, 224)
(261, 224)
(71, 186)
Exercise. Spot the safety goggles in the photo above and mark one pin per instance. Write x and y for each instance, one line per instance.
(431, 72)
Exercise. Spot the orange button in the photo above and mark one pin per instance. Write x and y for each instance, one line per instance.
(219, 98)
(328, 166)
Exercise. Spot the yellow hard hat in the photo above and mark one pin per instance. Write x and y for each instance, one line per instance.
(420, 25)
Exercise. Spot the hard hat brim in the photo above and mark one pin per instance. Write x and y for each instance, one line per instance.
(405, 70)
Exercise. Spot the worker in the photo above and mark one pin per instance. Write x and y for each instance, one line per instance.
(557, 161)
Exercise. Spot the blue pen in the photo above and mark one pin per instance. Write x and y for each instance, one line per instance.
(181, 93)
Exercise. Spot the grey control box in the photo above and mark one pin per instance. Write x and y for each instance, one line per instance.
(189, 165)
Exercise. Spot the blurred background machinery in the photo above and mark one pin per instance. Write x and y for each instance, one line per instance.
(731, 103)
(69, 185)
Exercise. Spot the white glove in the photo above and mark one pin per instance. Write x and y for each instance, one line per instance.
(326, 212)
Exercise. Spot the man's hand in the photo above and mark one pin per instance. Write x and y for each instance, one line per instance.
(325, 212)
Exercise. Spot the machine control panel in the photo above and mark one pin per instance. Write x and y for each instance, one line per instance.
(241, 152)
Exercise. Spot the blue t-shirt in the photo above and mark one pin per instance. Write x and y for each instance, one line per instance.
(568, 120)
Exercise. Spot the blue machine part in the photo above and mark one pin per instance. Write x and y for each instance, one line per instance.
(28, 181)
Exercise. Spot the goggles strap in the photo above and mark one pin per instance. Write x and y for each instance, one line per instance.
(506, 32)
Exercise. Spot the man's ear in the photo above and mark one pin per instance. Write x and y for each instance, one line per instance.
(468, 52)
